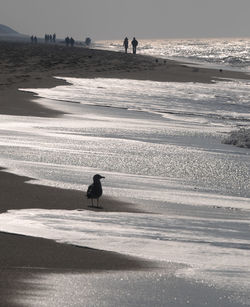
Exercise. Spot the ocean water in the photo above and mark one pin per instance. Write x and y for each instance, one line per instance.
(160, 146)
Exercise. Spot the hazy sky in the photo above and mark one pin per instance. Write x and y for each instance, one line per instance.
(113, 19)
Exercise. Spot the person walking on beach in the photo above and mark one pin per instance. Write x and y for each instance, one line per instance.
(67, 41)
(125, 44)
(134, 44)
(72, 42)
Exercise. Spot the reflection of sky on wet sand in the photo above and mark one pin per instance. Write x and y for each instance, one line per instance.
(141, 289)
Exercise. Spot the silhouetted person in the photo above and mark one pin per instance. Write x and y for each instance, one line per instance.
(67, 40)
(134, 44)
(88, 41)
(32, 39)
(35, 40)
(95, 189)
(72, 42)
(125, 44)
(54, 38)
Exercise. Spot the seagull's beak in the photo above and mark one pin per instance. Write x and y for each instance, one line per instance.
(102, 177)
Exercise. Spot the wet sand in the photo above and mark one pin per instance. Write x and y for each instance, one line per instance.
(24, 258)
(17, 193)
(29, 66)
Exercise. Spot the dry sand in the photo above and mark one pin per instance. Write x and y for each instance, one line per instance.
(24, 65)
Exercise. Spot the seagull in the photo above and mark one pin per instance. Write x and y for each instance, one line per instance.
(95, 190)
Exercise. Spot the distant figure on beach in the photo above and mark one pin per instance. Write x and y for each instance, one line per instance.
(49, 38)
(33, 39)
(67, 40)
(134, 45)
(87, 41)
(125, 44)
(95, 190)
(72, 42)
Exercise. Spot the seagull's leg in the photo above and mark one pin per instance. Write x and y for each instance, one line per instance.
(92, 202)
(97, 202)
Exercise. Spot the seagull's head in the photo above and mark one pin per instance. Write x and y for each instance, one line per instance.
(98, 177)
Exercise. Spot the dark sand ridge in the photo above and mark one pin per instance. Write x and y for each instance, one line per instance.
(29, 66)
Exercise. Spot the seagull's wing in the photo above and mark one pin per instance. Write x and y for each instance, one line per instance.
(90, 191)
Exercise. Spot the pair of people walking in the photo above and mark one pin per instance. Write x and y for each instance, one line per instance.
(134, 44)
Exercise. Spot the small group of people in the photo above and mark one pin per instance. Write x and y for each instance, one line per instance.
(33, 39)
(49, 38)
(134, 44)
(69, 41)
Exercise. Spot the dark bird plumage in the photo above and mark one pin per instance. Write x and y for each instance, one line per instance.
(95, 189)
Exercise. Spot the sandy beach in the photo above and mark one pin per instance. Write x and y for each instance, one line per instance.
(30, 66)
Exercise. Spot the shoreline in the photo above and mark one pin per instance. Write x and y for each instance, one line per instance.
(34, 66)
(26, 257)
(20, 69)
(24, 65)
(30, 66)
